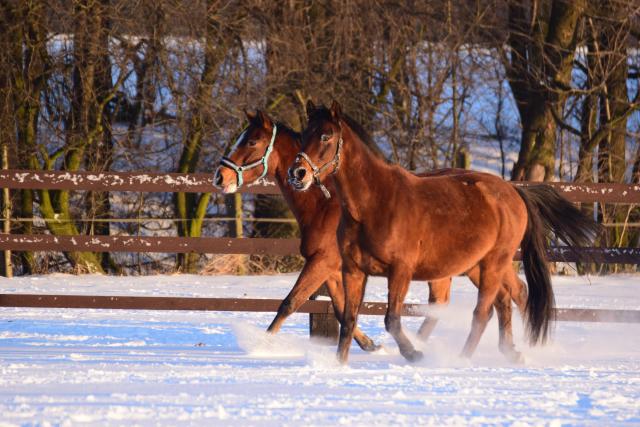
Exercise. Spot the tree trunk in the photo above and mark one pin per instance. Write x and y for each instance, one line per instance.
(539, 73)
(30, 81)
(7, 133)
(19, 104)
(100, 152)
(584, 173)
(191, 208)
(612, 57)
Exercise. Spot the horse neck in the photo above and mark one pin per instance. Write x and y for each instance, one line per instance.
(357, 176)
(304, 205)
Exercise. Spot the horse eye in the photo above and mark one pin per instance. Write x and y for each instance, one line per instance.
(252, 142)
(325, 137)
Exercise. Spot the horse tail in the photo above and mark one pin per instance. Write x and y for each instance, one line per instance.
(547, 212)
(540, 300)
(561, 217)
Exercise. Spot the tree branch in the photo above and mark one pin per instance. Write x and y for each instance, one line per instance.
(564, 125)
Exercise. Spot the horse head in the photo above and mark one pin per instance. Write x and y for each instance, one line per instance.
(322, 142)
(250, 157)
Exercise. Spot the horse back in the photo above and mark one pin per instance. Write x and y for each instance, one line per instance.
(442, 224)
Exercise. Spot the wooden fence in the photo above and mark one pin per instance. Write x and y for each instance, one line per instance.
(171, 182)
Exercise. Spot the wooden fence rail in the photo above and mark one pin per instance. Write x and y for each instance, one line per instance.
(265, 305)
(202, 183)
(226, 245)
(121, 181)
(166, 244)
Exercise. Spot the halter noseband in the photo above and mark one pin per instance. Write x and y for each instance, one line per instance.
(335, 162)
(264, 161)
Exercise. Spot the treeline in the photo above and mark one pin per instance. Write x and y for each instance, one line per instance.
(160, 85)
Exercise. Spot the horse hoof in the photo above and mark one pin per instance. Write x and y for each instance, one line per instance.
(512, 355)
(516, 358)
(414, 356)
(370, 346)
(342, 360)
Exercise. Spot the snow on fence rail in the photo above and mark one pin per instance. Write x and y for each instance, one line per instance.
(202, 183)
(121, 181)
(173, 182)
(166, 244)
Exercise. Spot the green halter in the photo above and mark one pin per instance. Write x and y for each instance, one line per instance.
(264, 161)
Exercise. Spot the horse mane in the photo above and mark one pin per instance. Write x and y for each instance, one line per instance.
(296, 136)
(286, 128)
(324, 113)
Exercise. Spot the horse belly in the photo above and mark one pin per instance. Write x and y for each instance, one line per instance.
(444, 260)
(436, 271)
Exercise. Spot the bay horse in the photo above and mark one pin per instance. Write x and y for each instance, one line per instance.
(406, 227)
(267, 148)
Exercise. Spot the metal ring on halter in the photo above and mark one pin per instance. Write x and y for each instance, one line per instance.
(335, 162)
(264, 161)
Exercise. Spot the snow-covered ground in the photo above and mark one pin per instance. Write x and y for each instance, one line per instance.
(94, 367)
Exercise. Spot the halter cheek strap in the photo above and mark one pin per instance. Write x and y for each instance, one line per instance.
(264, 161)
(335, 162)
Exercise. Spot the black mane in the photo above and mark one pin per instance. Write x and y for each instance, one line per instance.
(324, 113)
(281, 126)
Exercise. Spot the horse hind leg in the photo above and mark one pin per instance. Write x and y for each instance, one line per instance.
(439, 294)
(505, 343)
(518, 291)
(398, 286)
(490, 284)
(512, 287)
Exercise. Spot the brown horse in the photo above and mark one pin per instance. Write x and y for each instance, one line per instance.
(396, 224)
(267, 148)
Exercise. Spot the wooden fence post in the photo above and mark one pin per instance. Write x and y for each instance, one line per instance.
(6, 211)
(237, 202)
(324, 325)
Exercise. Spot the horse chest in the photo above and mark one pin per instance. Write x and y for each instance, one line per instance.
(356, 247)
(319, 236)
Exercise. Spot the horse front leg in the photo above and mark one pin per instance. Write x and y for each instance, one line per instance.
(353, 280)
(336, 292)
(313, 274)
(399, 279)
(439, 294)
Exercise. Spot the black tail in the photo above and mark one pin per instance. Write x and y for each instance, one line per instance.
(547, 212)
(561, 217)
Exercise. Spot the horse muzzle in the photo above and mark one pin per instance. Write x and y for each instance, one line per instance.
(219, 182)
(299, 178)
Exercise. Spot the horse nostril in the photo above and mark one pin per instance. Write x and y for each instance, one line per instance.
(217, 179)
(300, 173)
(290, 172)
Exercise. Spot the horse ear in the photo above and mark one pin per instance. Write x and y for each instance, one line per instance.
(265, 119)
(251, 115)
(310, 107)
(336, 110)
